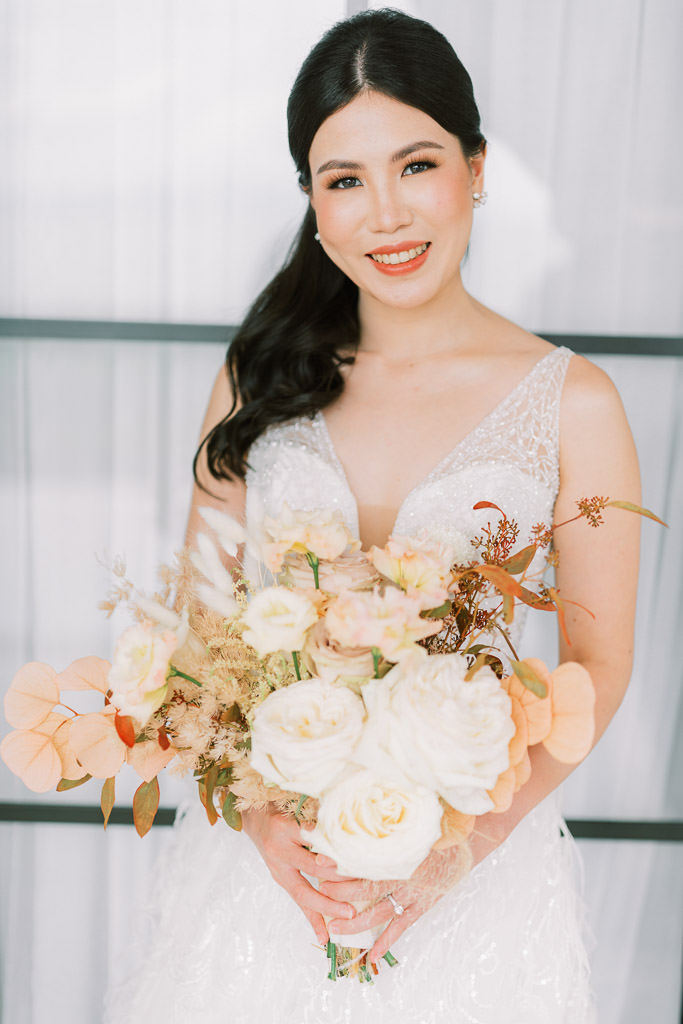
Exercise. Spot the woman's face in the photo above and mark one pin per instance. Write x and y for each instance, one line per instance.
(389, 183)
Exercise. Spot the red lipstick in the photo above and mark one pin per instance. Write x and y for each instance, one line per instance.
(399, 268)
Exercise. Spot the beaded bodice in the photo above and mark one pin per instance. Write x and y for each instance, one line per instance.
(510, 458)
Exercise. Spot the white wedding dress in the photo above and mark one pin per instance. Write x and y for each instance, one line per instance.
(503, 947)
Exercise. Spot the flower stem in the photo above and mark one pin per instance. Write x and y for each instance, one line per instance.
(332, 956)
(173, 671)
(390, 958)
(302, 800)
(314, 563)
(295, 659)
(376, 655)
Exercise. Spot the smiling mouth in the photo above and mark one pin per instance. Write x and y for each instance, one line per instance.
(400, 256)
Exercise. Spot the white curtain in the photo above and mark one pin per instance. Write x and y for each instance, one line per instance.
(145, 176)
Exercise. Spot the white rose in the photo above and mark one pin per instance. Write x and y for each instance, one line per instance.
(303, 735)
(443, 732)
(138, 675)
(277, 620)
(374, 829)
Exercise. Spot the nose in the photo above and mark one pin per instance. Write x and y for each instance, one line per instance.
(388, 210)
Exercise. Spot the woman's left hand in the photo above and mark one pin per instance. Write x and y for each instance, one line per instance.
(439, 872)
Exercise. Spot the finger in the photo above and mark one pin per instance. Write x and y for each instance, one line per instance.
(392, 932)
(348, 889)
(303, 893)
(318, 925)
(378, 914)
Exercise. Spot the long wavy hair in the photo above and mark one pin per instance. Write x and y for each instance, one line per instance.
(285, 358)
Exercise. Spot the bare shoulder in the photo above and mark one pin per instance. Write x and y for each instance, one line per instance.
(589, 396)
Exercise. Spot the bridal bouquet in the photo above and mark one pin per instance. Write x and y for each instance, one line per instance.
(376, 695)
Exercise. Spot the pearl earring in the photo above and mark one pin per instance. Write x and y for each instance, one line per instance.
(480, 198)
(317, 236)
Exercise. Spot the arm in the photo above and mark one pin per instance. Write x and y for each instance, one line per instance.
(598, 569)
(276, 837)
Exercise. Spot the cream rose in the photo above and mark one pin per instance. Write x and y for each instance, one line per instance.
(326, 658)
(139, 671)
(303, 735)
(321, 532)
(375, 829)
(390, 621)
(444, 733)
(277, 620)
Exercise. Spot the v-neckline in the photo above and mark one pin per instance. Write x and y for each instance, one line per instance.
(339, 466)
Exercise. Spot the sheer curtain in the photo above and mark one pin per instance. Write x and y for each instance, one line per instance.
(146, 176)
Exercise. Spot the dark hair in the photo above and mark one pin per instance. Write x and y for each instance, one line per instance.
(285, 359)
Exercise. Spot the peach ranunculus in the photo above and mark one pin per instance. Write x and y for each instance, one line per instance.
(278, 619)
(350, 571)
(391, 622)
(321, 532)
(326, 658)
(139, 673)
(418, 568)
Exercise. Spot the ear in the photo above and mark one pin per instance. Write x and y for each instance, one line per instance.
(477, 168)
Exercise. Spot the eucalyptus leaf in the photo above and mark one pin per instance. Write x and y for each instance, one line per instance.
(231, 814)
(529, 678)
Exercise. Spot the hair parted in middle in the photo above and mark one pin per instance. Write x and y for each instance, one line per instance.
(285, 358)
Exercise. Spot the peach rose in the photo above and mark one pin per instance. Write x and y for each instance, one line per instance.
(391, 622)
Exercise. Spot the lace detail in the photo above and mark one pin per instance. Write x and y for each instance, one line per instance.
(504, 947)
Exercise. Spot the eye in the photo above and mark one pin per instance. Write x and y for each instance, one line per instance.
(346, 182)
(418, 166)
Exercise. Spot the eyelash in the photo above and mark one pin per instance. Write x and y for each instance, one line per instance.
(334, 183)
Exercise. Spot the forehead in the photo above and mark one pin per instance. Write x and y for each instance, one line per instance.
(374, 126)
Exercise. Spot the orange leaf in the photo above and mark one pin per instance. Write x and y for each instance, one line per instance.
(630, 507)
(520, 560)
(148, 758)
(108, 798)
(538, 710)
(32, 695)
(560, 613)
(89, 673)
(573, 726)
(536, 601)
(125, 727)
(96, 743)
(71, 769)
(162, 737)
(145, 806)
(501, 579)
(503, 791)
(520, 741)
(31, 754)
(488, 504)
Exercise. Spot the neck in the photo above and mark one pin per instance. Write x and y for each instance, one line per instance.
(444, 324)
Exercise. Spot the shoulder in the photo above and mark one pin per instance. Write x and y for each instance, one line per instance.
(589, 397)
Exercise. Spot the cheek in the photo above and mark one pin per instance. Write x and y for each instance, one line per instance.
(336, 219)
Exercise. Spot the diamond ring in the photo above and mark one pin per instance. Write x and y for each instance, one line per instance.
(396, 906)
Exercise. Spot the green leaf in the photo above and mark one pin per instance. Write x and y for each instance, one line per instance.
(231, 814)
(145, 806)
(521, 560)
(638, 509)
(108, 798)
(438, 613)
(65, 784)
(529, 678)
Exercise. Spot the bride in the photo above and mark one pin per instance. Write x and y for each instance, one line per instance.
(366, 378)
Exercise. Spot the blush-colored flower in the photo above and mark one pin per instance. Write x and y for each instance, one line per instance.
(277, 619)
(375, 829)
(321, 532)
(573, 726)
(350, 571)
(391, 622)
(32, 695)
(96, 743)
(442, 732)
(139, 671)
(302, 735)
(326, 658)
(32, 754)
(420, 569)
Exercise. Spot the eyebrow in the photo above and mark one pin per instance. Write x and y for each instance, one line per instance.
(401, 154)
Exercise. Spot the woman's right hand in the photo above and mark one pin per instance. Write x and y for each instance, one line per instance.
(280, 843)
